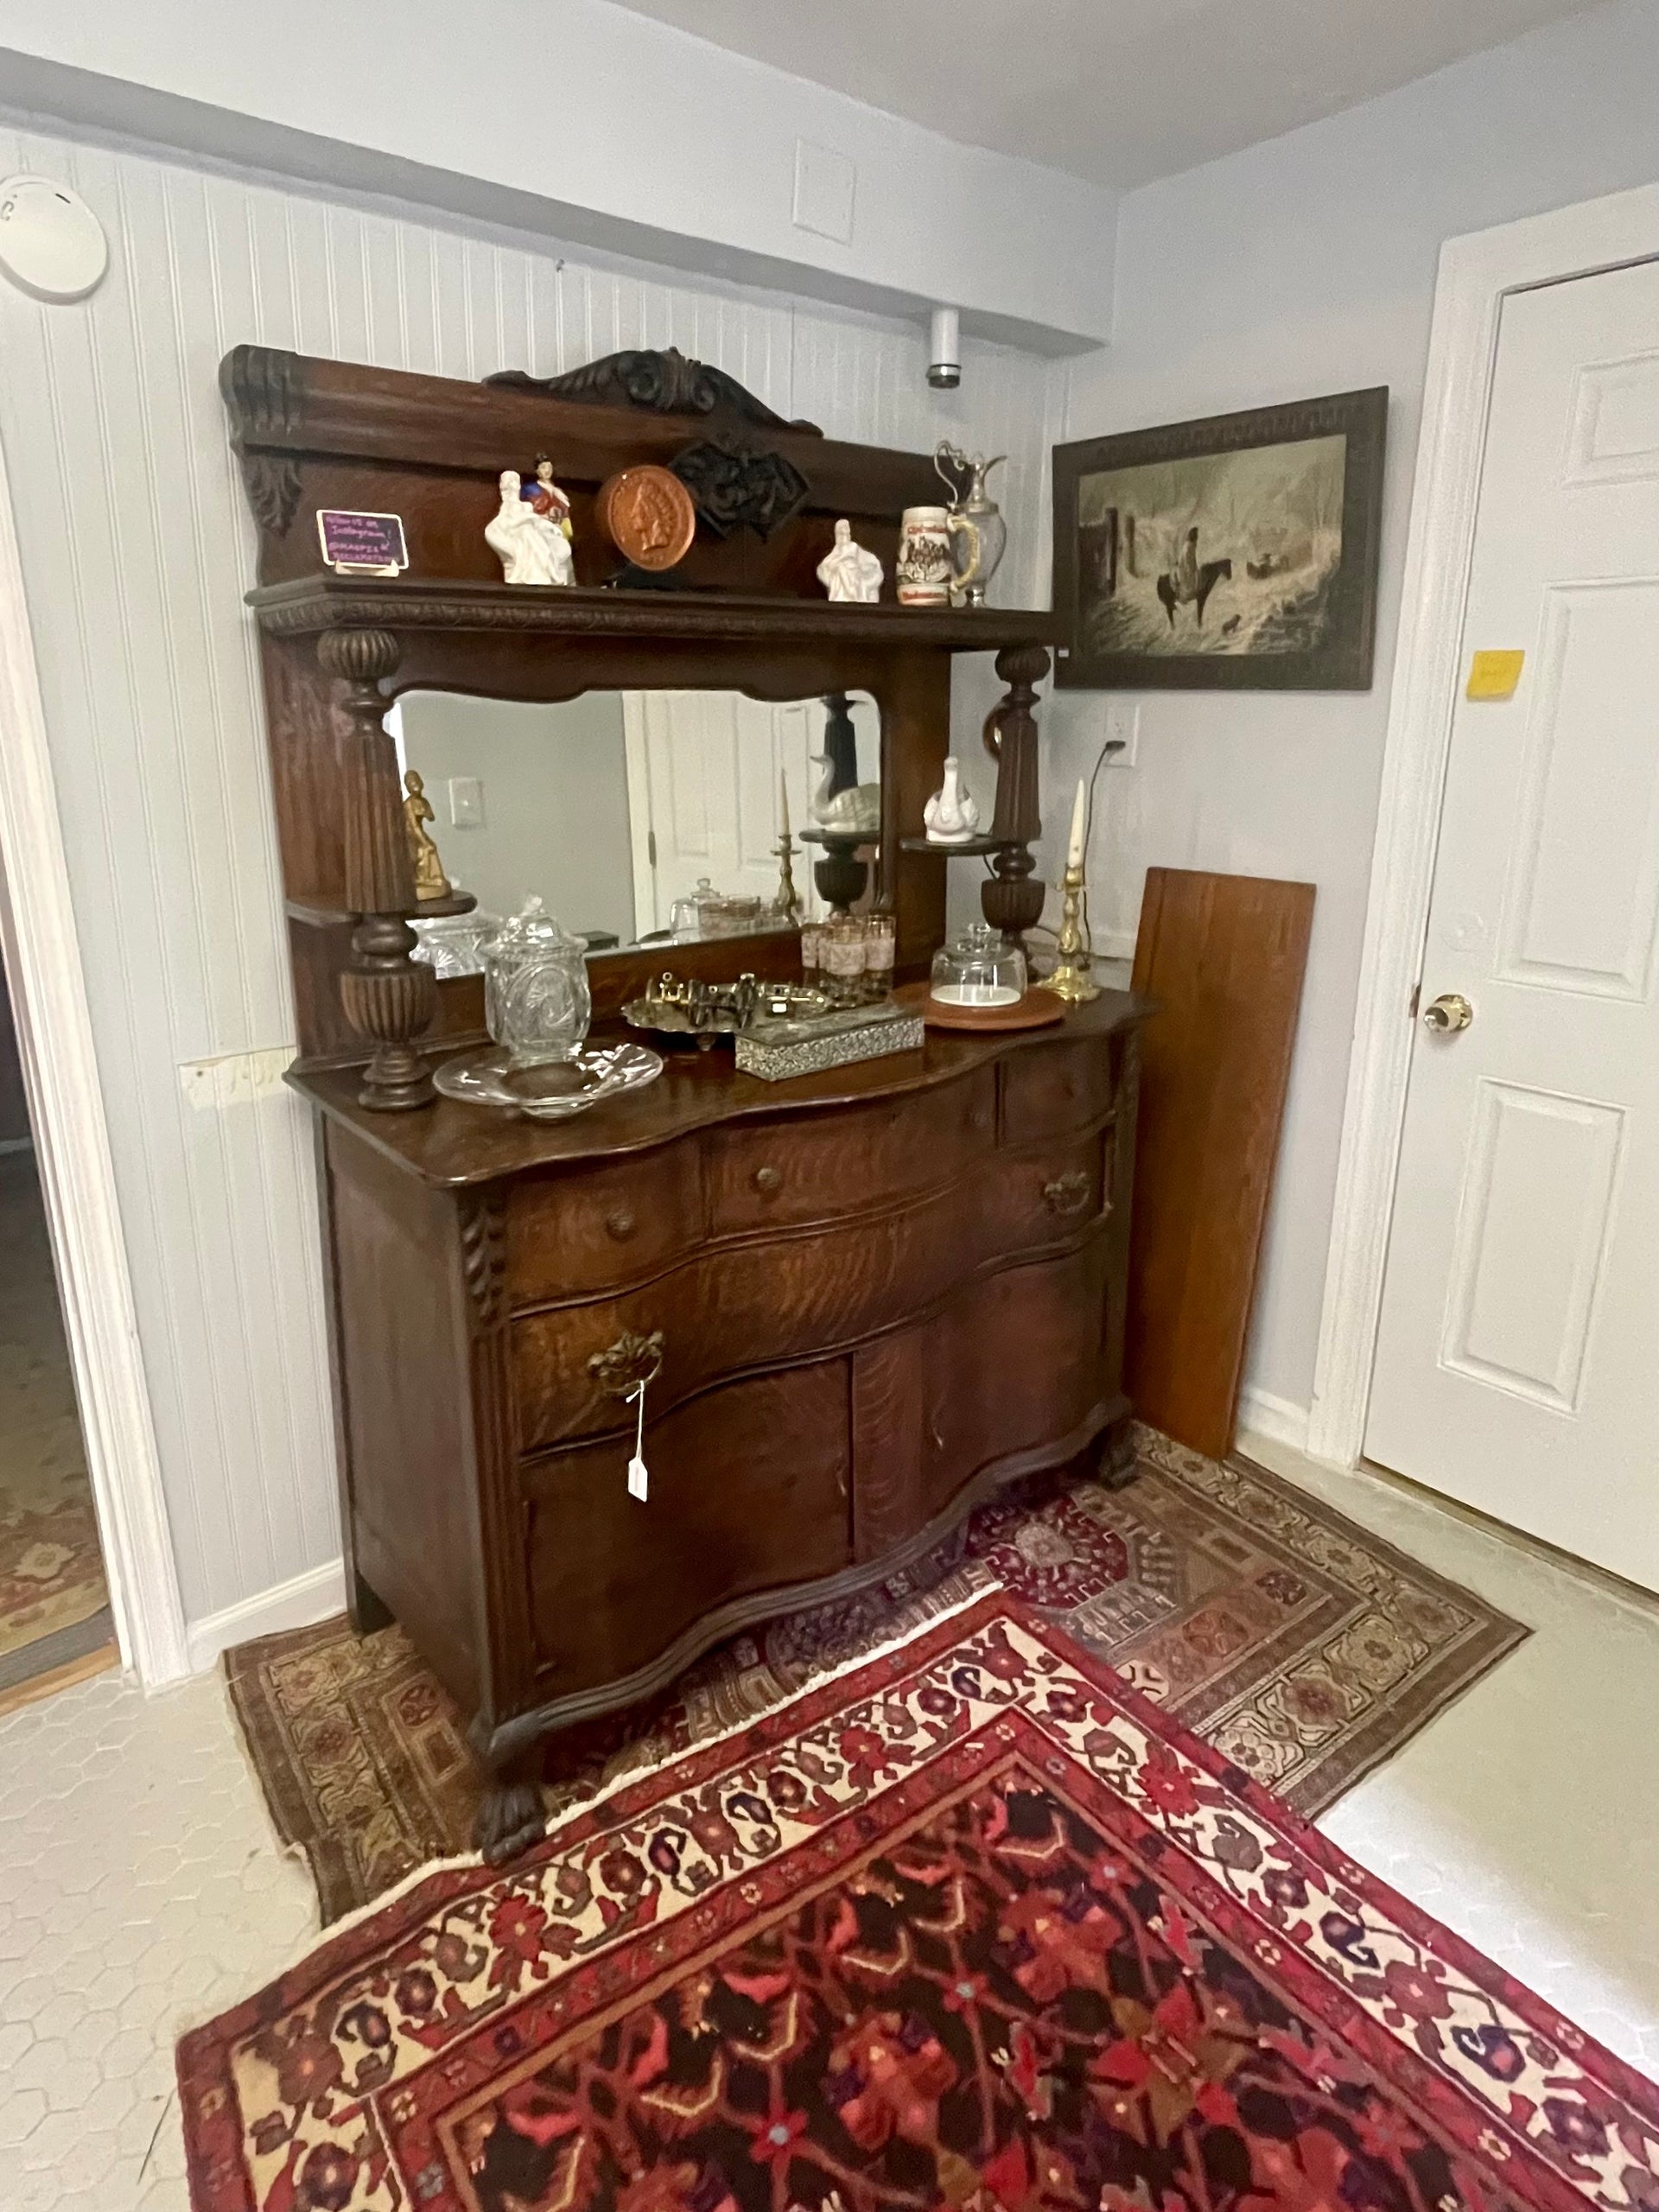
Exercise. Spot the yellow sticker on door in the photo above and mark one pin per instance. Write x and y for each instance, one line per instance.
(1495, 675)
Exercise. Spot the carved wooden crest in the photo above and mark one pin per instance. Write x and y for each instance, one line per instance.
(666, 383)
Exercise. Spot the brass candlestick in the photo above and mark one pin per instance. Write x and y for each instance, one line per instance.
(788, 901)
(1071, 980)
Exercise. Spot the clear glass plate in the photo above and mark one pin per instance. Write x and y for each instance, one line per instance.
(550, 1089)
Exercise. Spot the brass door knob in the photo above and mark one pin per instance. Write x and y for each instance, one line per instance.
(1448, 1014)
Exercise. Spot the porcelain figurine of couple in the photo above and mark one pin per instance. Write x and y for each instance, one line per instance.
(531, 532)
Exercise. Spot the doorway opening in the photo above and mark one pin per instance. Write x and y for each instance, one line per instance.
(56, 1626)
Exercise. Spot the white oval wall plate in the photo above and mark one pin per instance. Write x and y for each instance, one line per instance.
(51, 243)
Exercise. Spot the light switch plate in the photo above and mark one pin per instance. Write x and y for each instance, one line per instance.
(823, 192)
(1123, 722)
(465, 803)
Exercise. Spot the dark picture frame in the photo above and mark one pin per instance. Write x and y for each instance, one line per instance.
(1137, 580)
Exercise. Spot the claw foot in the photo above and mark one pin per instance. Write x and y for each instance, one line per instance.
(510, 1818)
(1119, 1463)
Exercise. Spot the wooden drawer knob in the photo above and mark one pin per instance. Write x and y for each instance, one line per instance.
(768, 1179)
(620, 1224)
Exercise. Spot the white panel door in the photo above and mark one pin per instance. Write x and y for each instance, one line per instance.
(704, 769)
(1517, 1364)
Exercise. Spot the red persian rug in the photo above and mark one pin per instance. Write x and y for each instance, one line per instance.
(974, 1928)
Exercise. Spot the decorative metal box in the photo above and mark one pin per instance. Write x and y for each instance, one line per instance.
(776, 1049)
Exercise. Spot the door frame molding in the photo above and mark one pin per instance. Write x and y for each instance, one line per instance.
(60, 1077)
(1476, 273)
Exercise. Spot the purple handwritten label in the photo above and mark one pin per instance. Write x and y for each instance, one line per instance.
(354, 540)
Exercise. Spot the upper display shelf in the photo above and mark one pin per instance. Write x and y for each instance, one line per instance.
(311, 604)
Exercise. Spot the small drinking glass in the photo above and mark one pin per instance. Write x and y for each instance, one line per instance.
(880, 936)
(812, 953)
(842, 952)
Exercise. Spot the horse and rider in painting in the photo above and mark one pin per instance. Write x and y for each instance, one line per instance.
(1230, 553)
(1191, 580)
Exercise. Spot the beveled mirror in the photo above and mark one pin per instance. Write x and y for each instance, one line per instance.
(639, 818)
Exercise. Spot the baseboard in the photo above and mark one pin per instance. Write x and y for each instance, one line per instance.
(309, 1597)
(1279, 1420)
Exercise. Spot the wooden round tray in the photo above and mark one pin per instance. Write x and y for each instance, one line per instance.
(1035, 1011)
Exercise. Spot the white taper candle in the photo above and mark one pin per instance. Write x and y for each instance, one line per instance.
(1079, 816)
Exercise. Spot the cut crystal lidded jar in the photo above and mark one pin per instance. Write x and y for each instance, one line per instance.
(980, 968)
(536, 1000)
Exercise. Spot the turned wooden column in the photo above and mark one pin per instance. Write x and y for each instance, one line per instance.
(389, 999)
(1010, 900)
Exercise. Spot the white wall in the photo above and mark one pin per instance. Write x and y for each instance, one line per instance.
(554, 787)
(1300, 267)
(137, 549)
(590, 124)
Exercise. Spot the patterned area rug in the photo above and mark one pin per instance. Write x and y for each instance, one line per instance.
(51, 1572)
(975, 1927)
(1303, 1648)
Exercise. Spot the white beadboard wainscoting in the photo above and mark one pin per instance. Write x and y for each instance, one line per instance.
(137, 550)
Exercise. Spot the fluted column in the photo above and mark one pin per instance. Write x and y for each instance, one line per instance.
(389, 999)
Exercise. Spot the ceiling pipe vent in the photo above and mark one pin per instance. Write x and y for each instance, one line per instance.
(944, 350)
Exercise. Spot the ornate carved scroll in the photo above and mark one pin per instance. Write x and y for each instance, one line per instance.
(666, 383)
(389, 999)
(738, 488)
(264, 388)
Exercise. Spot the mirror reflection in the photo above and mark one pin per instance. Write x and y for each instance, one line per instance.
(638, 817)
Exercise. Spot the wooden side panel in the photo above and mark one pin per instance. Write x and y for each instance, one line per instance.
(1222, 957)
(405, 1405)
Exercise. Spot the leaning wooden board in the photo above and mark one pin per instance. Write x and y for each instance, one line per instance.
(1221, 958)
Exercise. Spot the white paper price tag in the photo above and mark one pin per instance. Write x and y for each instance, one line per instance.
(638, 1477)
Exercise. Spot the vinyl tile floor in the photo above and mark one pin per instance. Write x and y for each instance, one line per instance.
(142, 1889)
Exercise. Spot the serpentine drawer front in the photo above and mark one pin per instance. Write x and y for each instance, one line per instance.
(813, 1167)
(1065, 1087)
(744, 1305)
(571, 1231)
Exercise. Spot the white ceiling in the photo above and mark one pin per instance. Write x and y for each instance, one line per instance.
(1116, 91)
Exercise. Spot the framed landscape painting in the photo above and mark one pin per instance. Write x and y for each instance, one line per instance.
(1235, 553)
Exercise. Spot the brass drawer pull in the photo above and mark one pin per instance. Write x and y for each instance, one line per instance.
(620, 1224)
(768, 1179)
(1067, 1194)
(628, 1365)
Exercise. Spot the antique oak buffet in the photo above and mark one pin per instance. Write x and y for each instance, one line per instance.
(861, 1299)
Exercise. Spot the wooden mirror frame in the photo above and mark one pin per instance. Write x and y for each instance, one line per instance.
(746, 616)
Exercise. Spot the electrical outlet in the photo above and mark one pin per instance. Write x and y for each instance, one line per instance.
(465, 803)
(1123, 722)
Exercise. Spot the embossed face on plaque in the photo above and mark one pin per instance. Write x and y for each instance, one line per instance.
(648, 515)
(634, 815)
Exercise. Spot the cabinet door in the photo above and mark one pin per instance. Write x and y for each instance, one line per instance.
(1013, 1375)
(747, 1492)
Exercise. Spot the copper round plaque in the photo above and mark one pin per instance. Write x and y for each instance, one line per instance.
(648, 515)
